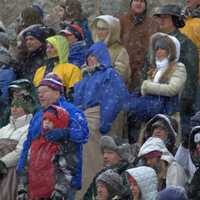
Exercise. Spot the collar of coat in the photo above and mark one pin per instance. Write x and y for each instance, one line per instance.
(136, 19)
(166, 75)
(187, 12)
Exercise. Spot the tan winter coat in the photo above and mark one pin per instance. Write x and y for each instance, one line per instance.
(119, 55)
(135, 38)
(172, 77)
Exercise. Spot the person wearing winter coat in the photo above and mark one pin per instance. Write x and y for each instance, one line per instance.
(17, 88)
(166, 78)
(12, 137)
(172, 193)
(136, 30)
(163, 127)
(77, 45)
(143, 183)
(50, 91)
(194, 189)
(44, 169)
(31, 50)
(109, 186)
(155, 154)
(70, 12)
(101, 94)
(57, 62)
(115, 155)
(169, 19)
(191, 14)
(7, 75)
(106, 28)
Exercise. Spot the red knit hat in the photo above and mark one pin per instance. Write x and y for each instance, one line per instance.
(73, 29)
(57, 115)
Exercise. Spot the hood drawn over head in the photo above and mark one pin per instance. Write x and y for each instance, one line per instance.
(60, 43)
(171, 43)
(114, 28)
(100, 51)
(146, 179)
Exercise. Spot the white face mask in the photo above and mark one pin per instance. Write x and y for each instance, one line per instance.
(162, 63)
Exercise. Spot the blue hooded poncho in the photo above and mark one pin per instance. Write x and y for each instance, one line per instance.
(103, 87)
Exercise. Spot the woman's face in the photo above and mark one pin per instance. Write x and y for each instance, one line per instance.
(138, 6)
(160, 133)
(161, 54)
(51, 51)
(102, 30)
(17, 111)
(134, 187)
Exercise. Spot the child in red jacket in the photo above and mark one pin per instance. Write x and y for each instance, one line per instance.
(41, 167)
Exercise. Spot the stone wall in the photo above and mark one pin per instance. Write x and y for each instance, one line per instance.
(9, 9)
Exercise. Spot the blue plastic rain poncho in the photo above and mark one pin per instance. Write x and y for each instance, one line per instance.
(103, 87)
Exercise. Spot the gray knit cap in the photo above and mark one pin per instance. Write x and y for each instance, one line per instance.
(113, 182)
(116, 145)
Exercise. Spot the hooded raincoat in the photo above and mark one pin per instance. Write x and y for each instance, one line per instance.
(146, 180)
(175, 174)
(68, 73)
(101, 94)
(119, 55)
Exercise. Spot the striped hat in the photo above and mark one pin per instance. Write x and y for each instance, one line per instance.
(52, 81)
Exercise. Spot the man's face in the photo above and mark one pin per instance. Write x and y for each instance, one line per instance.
(165, 22)
(102, 192)
(47, 96)
(71, 38)
(110, 157)
(138, 6)
(32, 43)
(192, 3)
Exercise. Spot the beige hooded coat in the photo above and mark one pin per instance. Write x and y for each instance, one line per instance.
(119, 55)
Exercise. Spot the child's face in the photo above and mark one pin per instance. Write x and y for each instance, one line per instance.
(91, 60)
(47, 124)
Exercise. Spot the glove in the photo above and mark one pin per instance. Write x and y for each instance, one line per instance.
(3, 168)
(57, 134)
(22, 195)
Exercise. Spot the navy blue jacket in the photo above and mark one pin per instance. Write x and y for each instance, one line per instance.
(77, 53)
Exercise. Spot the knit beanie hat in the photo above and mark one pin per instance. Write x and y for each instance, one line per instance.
(172, 193)
(57, 115)
(113, 182)
(24, 101)
(120, 147)
(37, 32)
(53, 81)
(73, 29)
